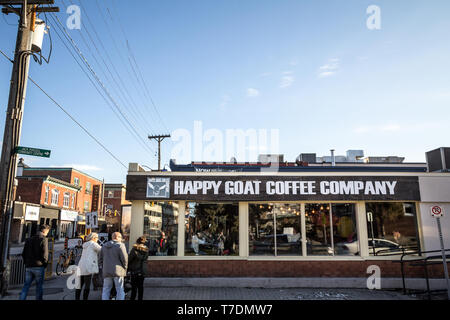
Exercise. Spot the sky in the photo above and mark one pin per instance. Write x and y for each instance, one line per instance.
(308, 75)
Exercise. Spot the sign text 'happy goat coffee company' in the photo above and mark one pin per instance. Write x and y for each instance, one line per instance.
(272, 188)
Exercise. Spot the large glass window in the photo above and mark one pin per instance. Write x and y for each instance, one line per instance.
(161, 227)
(391, 227)
(331, 229)
(212, 229)
(284, 239)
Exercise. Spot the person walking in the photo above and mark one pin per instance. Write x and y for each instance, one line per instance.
(88, 265)
(35, 258)
(136, 260)
(114, 259)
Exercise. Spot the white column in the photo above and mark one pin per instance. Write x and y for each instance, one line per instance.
(243, 229)
(303, 229)
(137, 221)
(361, 222)
(181, 228)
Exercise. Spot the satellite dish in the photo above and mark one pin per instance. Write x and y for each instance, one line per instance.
(233, 160)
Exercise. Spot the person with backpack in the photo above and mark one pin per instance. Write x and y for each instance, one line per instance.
(136, 267)
(88, 265)
(35, 258)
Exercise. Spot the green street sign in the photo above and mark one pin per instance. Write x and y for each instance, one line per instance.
(33, 152)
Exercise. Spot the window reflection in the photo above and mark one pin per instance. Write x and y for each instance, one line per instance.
(285, 239)
(318, 235)
(391, 228)
(331, 229)
(212, 229)
(161, 227)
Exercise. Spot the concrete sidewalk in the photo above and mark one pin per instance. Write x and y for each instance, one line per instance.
(56, 289)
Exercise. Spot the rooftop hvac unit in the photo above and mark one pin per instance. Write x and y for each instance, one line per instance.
(438, 160)
(38, 36)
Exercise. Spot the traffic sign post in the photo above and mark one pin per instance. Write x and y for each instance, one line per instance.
(438, 212)
(33, 152)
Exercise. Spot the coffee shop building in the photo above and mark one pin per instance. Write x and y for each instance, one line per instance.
(294, 220)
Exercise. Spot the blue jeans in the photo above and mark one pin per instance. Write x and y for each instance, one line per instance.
(35, 273)
(107, 286)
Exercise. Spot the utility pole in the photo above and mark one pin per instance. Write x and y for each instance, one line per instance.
(26, 10)
(159, 138)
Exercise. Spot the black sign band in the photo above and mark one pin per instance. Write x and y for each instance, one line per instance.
(272, 188)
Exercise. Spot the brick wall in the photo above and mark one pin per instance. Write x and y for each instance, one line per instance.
(29, 190)
(244, 268)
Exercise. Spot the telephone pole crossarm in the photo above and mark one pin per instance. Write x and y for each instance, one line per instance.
(159, 138)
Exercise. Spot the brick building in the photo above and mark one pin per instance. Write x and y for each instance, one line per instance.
(73, 176)
(56, 200)
(114, 200)
(64, 196)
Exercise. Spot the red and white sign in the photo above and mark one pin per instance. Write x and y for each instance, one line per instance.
(437, 211)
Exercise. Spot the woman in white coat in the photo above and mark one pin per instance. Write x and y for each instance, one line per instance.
(88, 265)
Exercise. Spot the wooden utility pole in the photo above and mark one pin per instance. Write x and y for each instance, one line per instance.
(159, 138)
(26, 9)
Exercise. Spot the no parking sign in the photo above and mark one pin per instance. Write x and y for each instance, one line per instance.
(437, 211)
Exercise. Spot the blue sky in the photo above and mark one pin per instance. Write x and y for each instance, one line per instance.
(311, 69)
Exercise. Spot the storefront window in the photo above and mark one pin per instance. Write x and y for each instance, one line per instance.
(285, 239)
(212, 229)
(331, 229)
(391, 228)
(161, 227)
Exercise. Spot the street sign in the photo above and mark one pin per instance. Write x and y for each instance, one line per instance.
(102, 238)
(91, 220)
(33, 152)
(437, 211)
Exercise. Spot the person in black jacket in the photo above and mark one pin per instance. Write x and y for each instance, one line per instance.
(35, 257)
(136, 260)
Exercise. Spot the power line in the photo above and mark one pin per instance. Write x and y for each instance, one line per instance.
(138, 116)
(147, 91)
(131, 57)
(97, 79)
(70, 116)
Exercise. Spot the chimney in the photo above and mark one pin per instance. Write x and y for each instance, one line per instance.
(333, 161)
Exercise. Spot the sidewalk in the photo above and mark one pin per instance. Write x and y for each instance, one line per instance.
(56, 289)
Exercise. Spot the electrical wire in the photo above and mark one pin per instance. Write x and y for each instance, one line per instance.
(71, 117)
(58, 23)
(131, 74)
(137, 116)
(146, 88)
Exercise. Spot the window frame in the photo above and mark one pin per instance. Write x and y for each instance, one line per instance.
(55, 195)
(66, 197)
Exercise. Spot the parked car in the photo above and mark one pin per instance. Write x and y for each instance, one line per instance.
(266, 244)
(379, 246)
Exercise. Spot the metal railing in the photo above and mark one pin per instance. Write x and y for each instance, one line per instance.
(17, 270)
(423, 261)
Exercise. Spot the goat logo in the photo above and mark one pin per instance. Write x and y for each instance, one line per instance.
(158, 187)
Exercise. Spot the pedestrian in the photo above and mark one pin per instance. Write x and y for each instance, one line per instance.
(114, 259)
(88, 265)
(35, 258)
(136, 260)
(163, 245)
(220, 243)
